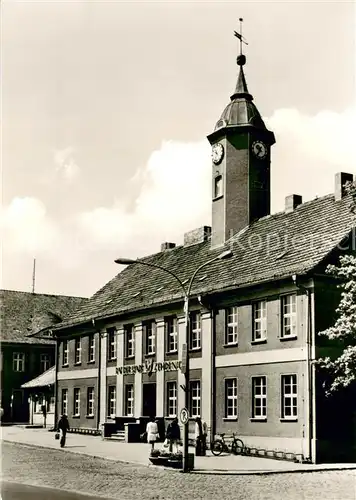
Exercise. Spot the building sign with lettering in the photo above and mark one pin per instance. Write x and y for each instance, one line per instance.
(149, 367)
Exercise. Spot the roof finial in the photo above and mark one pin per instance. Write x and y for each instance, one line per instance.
(241, 59)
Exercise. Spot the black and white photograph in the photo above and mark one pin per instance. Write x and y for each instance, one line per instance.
(178, 250)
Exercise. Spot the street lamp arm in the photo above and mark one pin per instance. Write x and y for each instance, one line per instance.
(218, 257)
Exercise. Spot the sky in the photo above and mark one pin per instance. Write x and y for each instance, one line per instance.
(106, 106)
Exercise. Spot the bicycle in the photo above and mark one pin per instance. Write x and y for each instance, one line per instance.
(218, 446)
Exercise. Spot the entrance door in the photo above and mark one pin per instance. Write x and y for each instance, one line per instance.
(149, 400)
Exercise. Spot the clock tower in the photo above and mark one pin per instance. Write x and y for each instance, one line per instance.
(241, 152)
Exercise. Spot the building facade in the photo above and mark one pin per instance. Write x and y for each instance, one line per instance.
(254, 317)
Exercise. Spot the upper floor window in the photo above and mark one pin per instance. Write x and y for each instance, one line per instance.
(231, 398)
(259, 327)
(231, 336)
(259, 397)
(64, 402)
(195, 401)
(44, 362)
(91, 348)
(76, 402)
(171, 399)
(218, 186)
(78, 351)
(129, 341)
(65, 351)
(112, 401)
(195, 330)
(90, 402)
(289, 316)
(170, 326)
(111, 343)
(18, 361)
(289, 397)
(149, 328)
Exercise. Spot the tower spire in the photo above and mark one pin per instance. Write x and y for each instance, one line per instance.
(241, 89)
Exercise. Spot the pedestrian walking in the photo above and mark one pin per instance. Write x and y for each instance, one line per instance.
(63, 427)
(152, 432)
(173, 434)
(201, 432)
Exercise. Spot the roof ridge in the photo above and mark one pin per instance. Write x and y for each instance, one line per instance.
(43, 294)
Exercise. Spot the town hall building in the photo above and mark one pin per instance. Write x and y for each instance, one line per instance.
(253, 315)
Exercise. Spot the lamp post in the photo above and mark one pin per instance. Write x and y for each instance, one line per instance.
(186, 294)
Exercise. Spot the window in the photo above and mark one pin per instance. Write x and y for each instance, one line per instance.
(76, 402)
(195, 331)
(130, 341)
(150, 332)
(195, 398)
(78, 351)
(44, 362)
(259, 398)
(218, 186)
(111, 343)
(289, 397)
(64, 401)
(259, 321)
(65, 352)
(90, 402)
(91, 348)
(231, 398)
(231, 326)
(171, 399)
(112, 401)
(170, 326)
(289, 316)
(18, 362)
(129, 400)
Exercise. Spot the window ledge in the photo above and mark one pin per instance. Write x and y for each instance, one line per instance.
(172, 352)
(132, 356)
(111, 359)
(218, 197)
(259, 341)
(65, 366)
(293, 419)
(78, 363)
(91, 362)
(89, 416)
(195, 349)
(258, 419)
(150, 355)
(75, 416)
(230, 419)
(232, 344)
(289, 337)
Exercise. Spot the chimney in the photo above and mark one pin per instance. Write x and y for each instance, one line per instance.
(167, 246)
(197, 235)
(341, 178)
(292, 201)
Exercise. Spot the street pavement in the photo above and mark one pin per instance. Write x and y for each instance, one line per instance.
(137, 453)
(16, 491)
(73, 472)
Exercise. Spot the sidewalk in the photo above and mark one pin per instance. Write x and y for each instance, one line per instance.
(137, 453)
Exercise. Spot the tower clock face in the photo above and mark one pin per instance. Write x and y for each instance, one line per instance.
(259, 149)
(217, 153)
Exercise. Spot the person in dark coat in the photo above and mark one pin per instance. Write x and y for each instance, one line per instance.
(63, 427)
(173, 434)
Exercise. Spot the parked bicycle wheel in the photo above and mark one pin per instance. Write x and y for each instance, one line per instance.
(237, 447)
(217, 447)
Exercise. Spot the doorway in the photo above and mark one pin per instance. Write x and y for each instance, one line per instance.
(149, 400)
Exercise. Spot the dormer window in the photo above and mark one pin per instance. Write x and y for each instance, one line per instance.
(218, 186)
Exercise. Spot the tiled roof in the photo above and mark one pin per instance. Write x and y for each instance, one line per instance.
(24, 313)
(46, 378)
(274, 247)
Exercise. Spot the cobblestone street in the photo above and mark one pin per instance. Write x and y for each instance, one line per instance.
(68, 471)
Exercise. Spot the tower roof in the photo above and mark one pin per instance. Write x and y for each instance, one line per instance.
(240, 110)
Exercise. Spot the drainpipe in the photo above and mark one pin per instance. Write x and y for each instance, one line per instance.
(98, 378)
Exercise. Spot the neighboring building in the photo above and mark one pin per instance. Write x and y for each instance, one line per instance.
(23, 355)
(41, 400)
(254, 317)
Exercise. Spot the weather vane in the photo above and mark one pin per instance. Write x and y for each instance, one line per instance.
(240, 37)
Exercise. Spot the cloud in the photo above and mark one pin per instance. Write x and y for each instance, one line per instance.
(66, 165)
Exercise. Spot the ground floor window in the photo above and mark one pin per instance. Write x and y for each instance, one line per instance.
(90, 401)
(112, 401)
(171, 399)
(259, 397)
(64, 401)
(195, 400)
(129, 400)
(231, 398)
(289, 397)
(76, 402)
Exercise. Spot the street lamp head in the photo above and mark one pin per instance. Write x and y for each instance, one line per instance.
(225, 255)
(124, 262)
